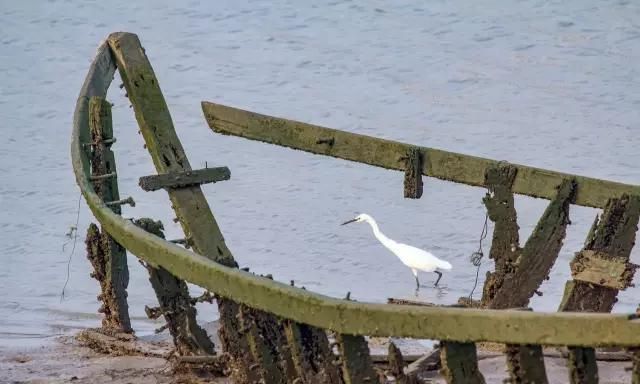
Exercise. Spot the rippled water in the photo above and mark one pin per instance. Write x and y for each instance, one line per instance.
(549, 84)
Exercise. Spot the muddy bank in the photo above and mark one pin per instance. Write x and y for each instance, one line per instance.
(68, 361)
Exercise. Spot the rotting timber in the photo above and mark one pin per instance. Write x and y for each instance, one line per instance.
(274, 332)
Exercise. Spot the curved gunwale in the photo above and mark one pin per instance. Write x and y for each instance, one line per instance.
(350, 317)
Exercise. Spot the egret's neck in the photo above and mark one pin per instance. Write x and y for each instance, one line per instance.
(387, 242)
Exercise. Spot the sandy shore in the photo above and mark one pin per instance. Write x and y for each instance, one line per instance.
(67, 361)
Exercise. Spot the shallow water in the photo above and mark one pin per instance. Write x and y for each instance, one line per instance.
(548, 84)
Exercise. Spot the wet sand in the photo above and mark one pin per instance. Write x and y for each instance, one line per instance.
(67, 361)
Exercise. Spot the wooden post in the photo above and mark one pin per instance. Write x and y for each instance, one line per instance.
(505, 243)
(613, 237)
(357, 366)
(520, 278)
(583, 367)
(311, 353)
(175, 304)
(397, 365)
(108, 258)
(460, 363)
(607, 249)
(525, 364)
(413, 174)
(233, 336)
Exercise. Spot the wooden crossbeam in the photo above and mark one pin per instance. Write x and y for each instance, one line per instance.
(389, 154)
(184, 179)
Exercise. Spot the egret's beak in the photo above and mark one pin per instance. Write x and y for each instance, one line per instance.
(350, 221)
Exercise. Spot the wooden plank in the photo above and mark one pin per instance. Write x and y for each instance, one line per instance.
(598, 268)
(312, 355)
(583, 367)
(265, 339)
(460, 363)
(175, 304)
(113, 275)
(397, 365)
(505, 249)
(234, 340)
(357, 367)
(413, 174)
(523, 274)
(156, 125)
(525, 364)
(184, 179)
(635, 368)
(466, 325)
(388, 154)
(614, 235)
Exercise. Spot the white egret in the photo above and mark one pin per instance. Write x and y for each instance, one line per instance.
(414, 258)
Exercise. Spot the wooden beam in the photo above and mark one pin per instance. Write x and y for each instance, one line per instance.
(583, 367)
(524, 274)
(460, 363)
(389, 154)
(505, 244)
(525, 364)
(413, 185)
(163, 144)
(614, 235)
(114, 277)
(312, 356)
(357, 366)
(184, 179)
(175, 304)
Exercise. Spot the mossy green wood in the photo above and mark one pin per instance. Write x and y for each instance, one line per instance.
(457, 324)
(389, 154)
(156, 125)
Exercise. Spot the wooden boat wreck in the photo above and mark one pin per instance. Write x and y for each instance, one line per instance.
(272, 332)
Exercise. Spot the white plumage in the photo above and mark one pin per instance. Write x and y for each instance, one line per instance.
(415, 258)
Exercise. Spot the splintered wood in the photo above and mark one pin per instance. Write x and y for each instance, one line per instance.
(108, 258)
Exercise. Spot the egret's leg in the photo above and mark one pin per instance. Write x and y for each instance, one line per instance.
(439, 277)
(415, 274)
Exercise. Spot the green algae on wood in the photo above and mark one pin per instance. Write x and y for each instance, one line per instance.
(175, 304)
(156, 125)
(389, 154)
(110, 259)
(466, 325)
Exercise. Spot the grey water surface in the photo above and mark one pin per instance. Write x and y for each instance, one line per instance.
(553, 84)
